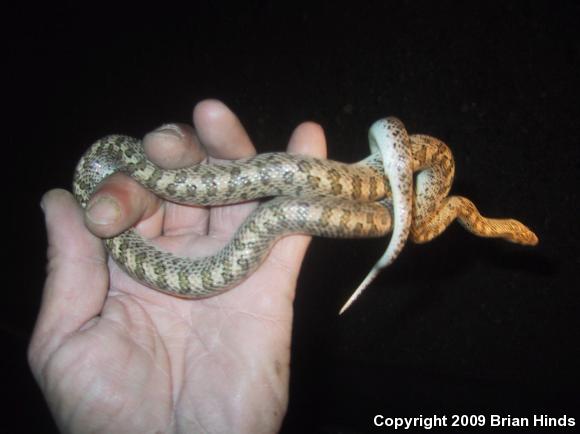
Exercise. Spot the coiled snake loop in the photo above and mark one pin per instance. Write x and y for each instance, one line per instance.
(402, 187)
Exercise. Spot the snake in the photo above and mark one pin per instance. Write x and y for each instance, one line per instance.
(402, 189)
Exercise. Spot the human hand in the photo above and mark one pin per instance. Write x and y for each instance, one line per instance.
(112, 355)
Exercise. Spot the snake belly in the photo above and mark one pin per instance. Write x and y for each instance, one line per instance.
(312, 196)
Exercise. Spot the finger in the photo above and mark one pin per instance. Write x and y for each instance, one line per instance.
(174, 146)
(120, 203)
(77, 274)
(224, 137)
(221, 132)
(308, 139)
(286, 256)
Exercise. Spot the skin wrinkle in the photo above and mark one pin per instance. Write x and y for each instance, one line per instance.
(200, 227)
(229, 318)
(280, 264)
(224, 214)
(177, 392)
(216, 345)
(203, 344)
(58, 258)
(225, 320)
(173, 213)
(271, 319)
(145, 402)
(50, 343)
(133, 352)
(151, 352)
(166, 373)
(60, 381)
(223, 375)
(43, 376)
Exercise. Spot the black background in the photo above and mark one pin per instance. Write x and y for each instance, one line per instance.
(459, 325)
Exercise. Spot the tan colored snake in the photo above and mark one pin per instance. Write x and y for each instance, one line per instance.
(401, 187)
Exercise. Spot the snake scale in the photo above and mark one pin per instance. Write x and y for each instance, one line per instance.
(402, 187)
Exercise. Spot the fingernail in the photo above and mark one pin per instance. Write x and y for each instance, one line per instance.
(103, 211)
(169, 130)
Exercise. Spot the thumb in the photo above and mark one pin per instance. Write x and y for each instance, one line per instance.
(77, 274)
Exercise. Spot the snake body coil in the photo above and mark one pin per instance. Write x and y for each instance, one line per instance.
(310, 196)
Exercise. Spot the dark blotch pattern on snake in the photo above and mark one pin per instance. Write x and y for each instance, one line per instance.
(402, 187)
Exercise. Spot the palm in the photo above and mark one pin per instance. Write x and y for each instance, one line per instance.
(147, 348)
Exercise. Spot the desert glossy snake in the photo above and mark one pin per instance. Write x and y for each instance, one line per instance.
(401, 187)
